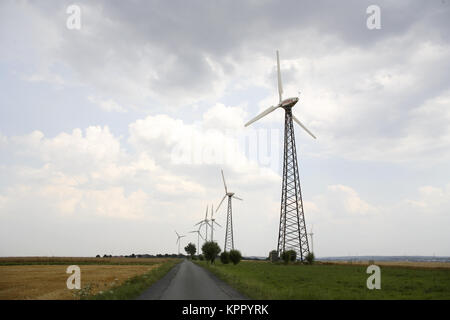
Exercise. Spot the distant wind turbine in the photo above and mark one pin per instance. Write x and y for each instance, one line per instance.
(213, 222)
(229, 240)
(204, 222)
(178, 241)
(198, 238)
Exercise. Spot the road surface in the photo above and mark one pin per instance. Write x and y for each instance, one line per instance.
(188, 281)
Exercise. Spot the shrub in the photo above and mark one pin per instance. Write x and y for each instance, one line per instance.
(273, 256)
(310, 258)
(225, 257)
(235, 256)
(211, 250)
(289, 255)
(200, 257)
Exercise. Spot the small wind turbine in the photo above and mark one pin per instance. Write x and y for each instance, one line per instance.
(213, 221)
(204, 222)
(229, 241)
(178, 241)
(311, 234)
(198, 238)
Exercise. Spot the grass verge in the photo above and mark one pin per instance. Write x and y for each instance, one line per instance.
(264, 280)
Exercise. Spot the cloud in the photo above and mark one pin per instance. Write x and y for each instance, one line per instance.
(107, 105)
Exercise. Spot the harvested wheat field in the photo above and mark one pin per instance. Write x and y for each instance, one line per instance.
(46, 282)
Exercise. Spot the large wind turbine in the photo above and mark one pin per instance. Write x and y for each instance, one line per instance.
(204, 222)
(213, 222)
(292, 231)
(178, 241)
(229, 241)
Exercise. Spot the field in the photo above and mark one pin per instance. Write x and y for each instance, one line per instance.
(264, 280)
(101, 278)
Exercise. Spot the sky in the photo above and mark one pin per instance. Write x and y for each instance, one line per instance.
(113, 135)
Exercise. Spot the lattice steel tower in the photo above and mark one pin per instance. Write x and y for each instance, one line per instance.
(292, 233)
(229, 240)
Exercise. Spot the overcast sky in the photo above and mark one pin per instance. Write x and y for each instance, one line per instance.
(113, 135)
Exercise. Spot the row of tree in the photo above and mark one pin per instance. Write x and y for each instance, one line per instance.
(290, 256)
(211, 250)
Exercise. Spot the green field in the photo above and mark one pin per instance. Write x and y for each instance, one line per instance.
(264, 280)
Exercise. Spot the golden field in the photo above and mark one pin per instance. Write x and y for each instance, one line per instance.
(46, 282)
(78, 260)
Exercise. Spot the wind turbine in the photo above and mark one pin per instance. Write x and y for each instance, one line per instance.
(198, 238)
(204, 222)
(213, 221)
(229, 241)
(292, 231)
(178, 241)
(311, 234)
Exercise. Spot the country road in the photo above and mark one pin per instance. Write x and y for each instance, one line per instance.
(188, 281)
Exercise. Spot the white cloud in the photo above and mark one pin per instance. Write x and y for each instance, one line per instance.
(107, 105)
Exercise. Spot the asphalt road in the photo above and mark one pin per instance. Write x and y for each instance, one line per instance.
(188, 281)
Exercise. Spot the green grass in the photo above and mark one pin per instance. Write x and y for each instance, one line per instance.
(264, 280)
(133, 287)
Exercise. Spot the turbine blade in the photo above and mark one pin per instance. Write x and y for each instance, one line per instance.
(237, 198)
(218, 224)
(280, 85)
(206, 214)
(198, 223)
(177, 233)
(224, 184)
(303, 126)
(262, 114)
(221, 202)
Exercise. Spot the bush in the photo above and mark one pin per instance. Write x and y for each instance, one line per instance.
(235, 256)
(310, 258)
(200, 257)
(190, 249)
(273, 256)
(289, 255)
(225, 257)
(211, 250)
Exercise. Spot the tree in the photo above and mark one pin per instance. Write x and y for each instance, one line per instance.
(190, 249)
(235, 256)
(210, 250)
(310, 258)
(273, 255)
(225, 257)
(289, 255)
